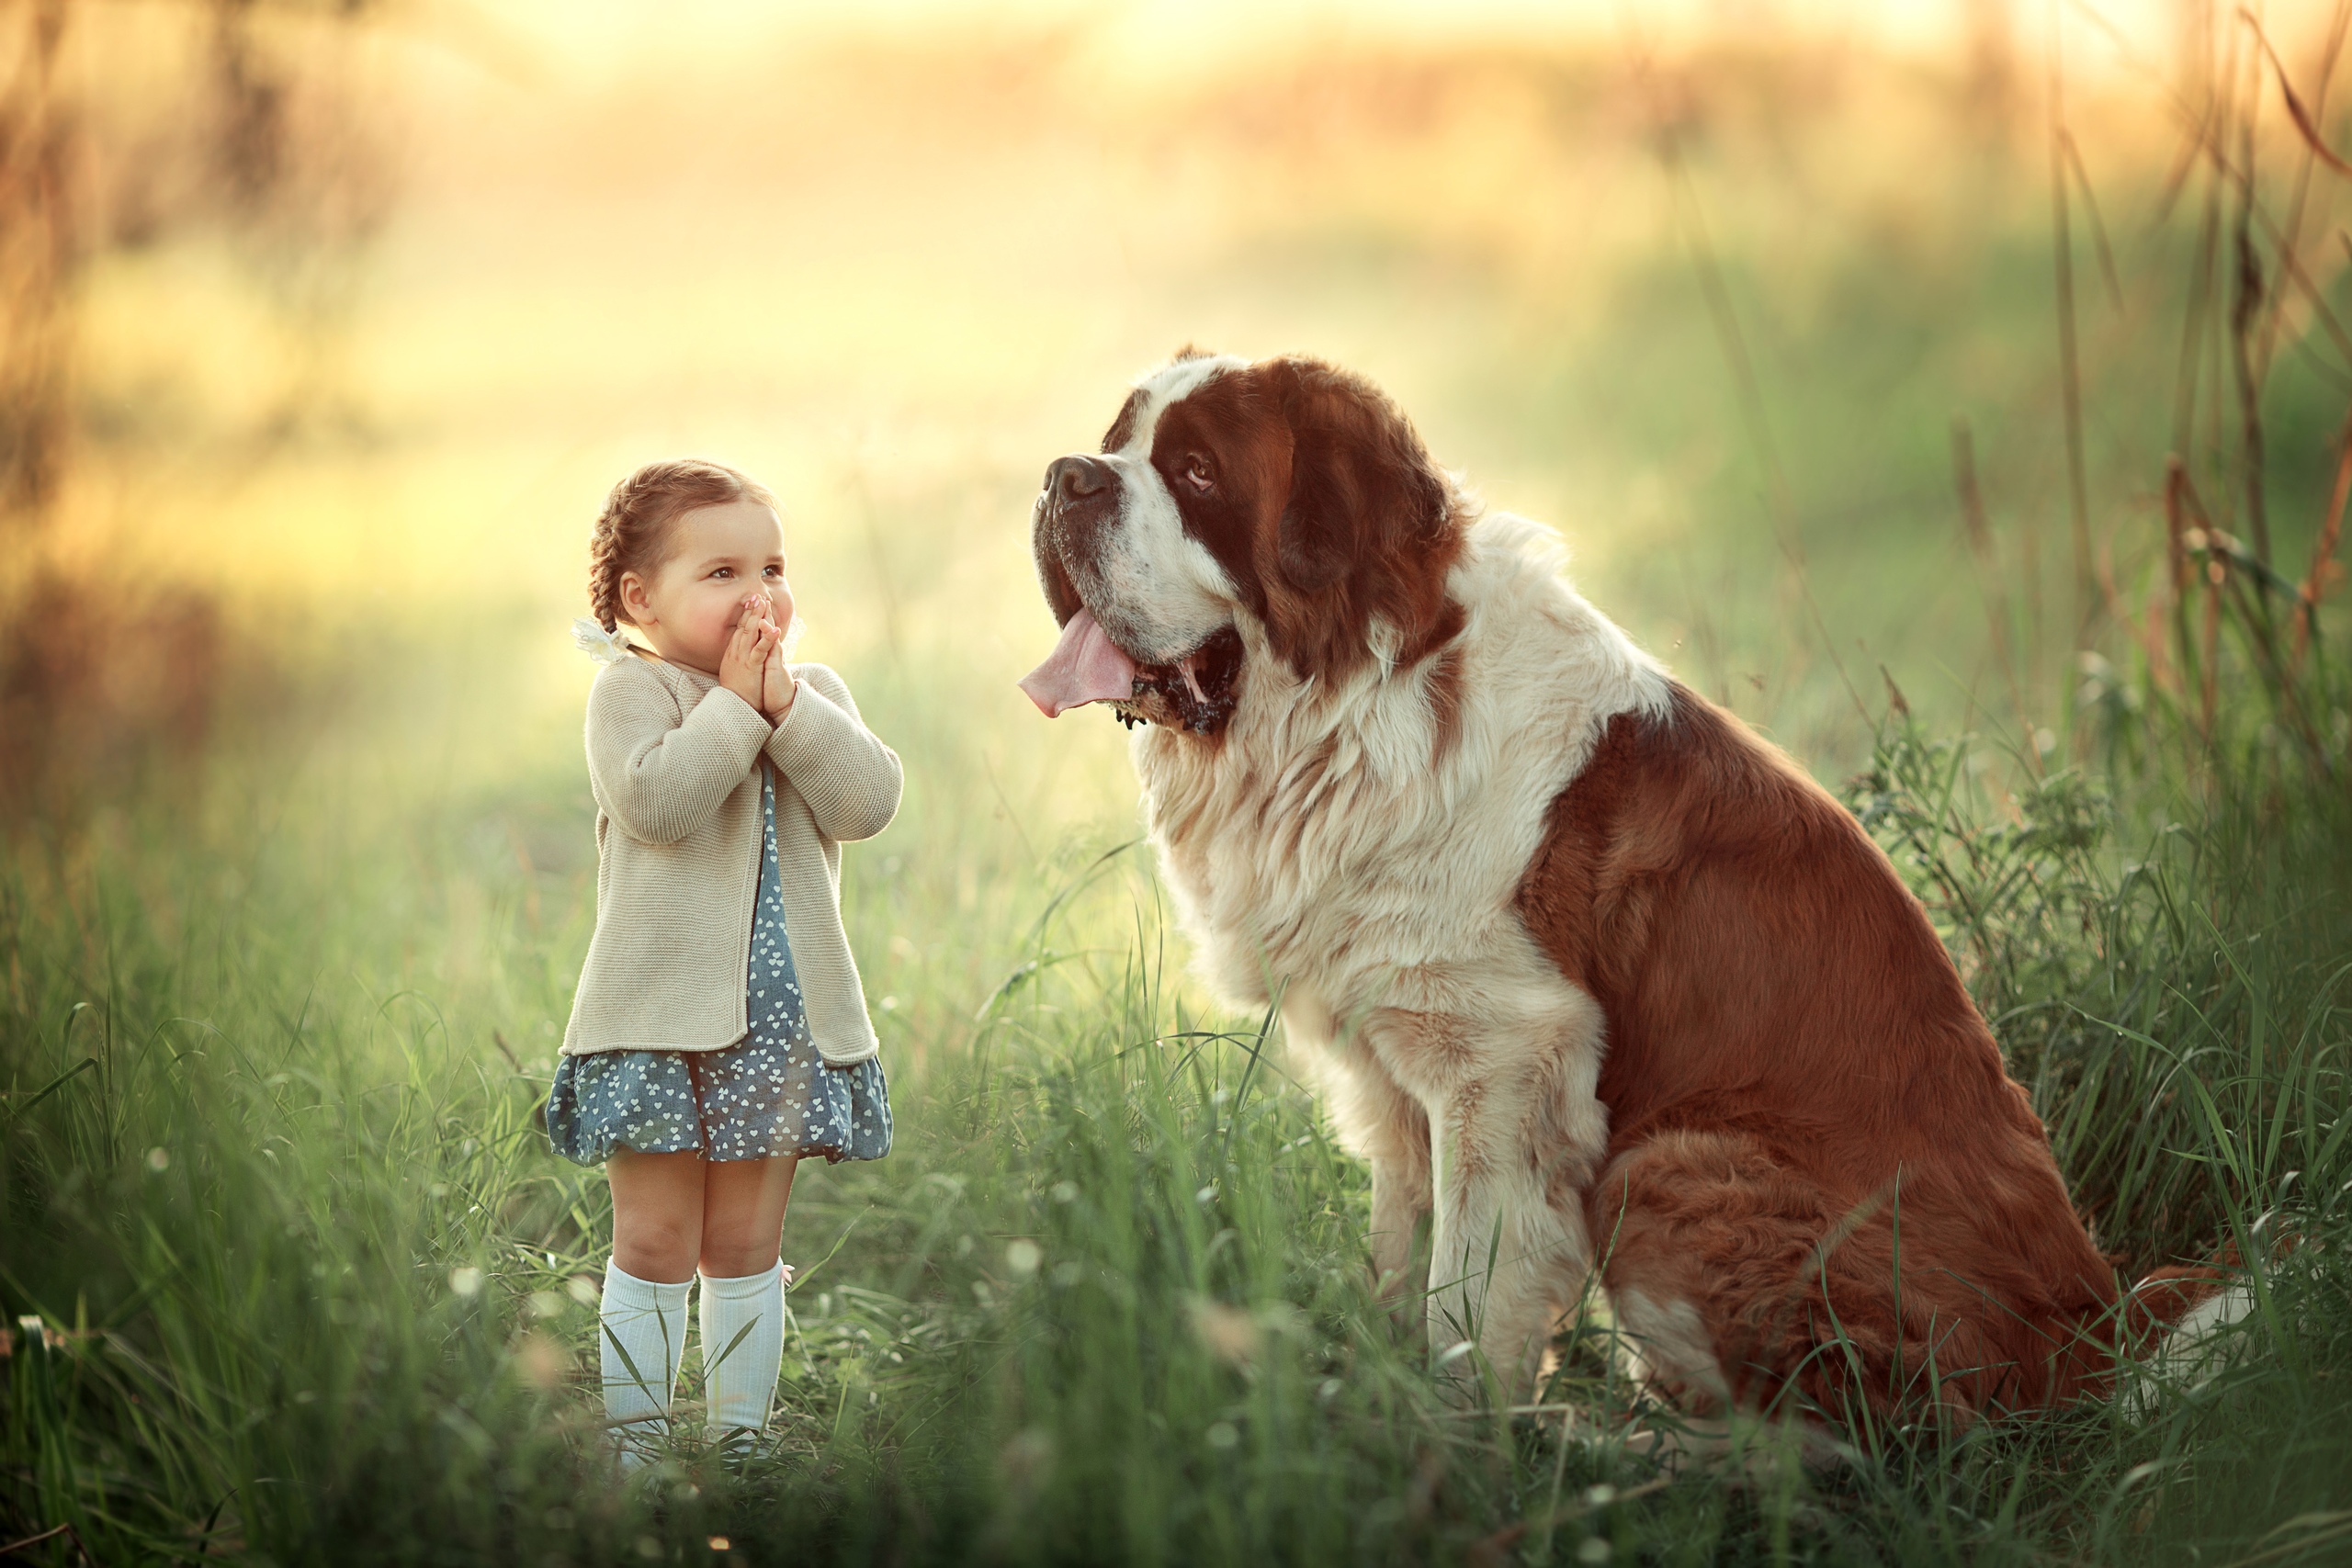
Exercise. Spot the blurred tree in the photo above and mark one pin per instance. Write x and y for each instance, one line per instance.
(39, 243)
(256, 137)
(1990, 55)
(124, 128)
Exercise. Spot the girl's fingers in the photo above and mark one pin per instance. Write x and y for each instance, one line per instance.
(743, 647)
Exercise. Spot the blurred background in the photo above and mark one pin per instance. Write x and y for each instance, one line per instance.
(1835, 339)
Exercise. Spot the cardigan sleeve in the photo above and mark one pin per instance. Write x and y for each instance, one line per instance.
(850, 781)
(659, 776)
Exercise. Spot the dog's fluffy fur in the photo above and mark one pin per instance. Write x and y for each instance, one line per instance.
(1591, 974)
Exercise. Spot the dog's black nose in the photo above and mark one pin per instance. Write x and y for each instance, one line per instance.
(1076, 477)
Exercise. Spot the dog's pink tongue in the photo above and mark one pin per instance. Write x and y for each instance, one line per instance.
(1085, 667)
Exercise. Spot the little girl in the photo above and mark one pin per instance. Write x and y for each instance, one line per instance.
(720, 1032)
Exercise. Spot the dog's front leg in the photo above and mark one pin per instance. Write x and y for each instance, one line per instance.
(1498, 1249)
(1399, 1157)
(1378, 1120)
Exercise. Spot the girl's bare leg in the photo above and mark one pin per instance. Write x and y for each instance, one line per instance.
(742, 1214)
(658, 1212)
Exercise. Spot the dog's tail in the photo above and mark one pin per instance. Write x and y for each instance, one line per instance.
(2176, 1321)
(2164, 1302)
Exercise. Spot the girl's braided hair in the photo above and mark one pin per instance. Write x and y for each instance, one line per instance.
(632, 533)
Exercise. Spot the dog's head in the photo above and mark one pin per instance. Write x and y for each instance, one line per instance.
(1287, 494)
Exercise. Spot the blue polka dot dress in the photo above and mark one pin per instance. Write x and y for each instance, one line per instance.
(771, 1094)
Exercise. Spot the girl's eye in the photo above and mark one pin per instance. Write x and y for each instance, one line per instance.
(724, 571)
(1197, 474)
(775, 571)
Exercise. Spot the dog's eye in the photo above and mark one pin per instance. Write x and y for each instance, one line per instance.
(1197, 473)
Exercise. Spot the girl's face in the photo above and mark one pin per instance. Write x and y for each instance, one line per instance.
(723, 559)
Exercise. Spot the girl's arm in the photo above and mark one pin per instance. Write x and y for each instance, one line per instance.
(660, 778)
(849, 778)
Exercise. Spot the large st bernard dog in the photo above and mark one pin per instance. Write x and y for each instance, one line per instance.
(1589, 969)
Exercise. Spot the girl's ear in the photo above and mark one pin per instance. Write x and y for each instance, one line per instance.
(635, 608)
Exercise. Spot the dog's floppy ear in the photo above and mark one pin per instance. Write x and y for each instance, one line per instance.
(1362, 485)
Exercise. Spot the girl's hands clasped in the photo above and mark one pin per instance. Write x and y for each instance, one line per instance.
(778, 684)
(743, 668)
(753, 667)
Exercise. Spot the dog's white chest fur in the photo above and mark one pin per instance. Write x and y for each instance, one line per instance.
(1336, 852)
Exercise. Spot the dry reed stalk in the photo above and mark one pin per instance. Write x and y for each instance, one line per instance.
(2210, 642)
(2291, 269)
(2245, 308)
(2201, 143)
(2188, 532)
(2307, 123)
(2150, 631)
(2248, 292)
(2200, 279)
(2315, 584)
(66, 1531)
(2220, 552)
(1979, 532)
(2069, 355)
(41, 245)
(2170, 603)
(2100, 247)
(2216, 325)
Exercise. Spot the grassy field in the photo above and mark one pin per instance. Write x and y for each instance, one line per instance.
(297, 870)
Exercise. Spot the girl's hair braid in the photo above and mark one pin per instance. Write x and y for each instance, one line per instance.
(632, 534)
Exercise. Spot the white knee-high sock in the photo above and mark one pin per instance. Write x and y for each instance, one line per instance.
(742, 1347)
(641, 1335)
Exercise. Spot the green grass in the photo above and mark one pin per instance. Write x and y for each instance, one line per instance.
(272, 1051)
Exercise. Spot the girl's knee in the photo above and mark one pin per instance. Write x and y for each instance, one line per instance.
(733, 1258)
(663, 1254)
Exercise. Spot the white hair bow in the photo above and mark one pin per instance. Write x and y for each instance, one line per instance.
(604, 646)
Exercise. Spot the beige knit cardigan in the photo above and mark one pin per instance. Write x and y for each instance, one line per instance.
(673, 760)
